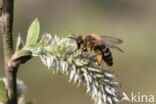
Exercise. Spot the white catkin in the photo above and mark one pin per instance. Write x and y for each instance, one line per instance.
(61, 56)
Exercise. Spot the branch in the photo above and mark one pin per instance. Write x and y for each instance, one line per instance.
(6, 21)
(12, 61)
(6, 24)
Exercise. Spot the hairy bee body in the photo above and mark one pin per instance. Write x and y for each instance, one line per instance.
(102, 51)
(99, 45)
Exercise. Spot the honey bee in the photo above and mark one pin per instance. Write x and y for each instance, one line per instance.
(99, 45)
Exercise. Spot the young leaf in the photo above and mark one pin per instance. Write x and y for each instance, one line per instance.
(19, 44)
(2, 86)
(30, 102)
(33, 33)
(3, 97)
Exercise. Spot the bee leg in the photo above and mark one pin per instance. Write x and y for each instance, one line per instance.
(89, 55)
(84, 50)
(81, 55)
(99, 59)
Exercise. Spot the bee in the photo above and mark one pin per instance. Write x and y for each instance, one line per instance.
(99, 45)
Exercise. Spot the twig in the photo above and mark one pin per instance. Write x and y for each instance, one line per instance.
(6, 21)
(12, 60)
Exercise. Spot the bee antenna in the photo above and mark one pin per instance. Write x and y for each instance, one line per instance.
(72, 33)
(72, 38)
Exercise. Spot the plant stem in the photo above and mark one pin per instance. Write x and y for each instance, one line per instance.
(6, 25)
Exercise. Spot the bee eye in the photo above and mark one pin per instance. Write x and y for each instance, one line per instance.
(80, 41)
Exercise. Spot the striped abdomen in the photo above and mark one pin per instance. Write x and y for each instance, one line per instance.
(103, 53)
(107, 55)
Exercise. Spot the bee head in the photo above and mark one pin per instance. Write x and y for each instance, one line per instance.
(79, 42)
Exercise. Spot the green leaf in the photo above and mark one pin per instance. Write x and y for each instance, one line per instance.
(33, 33)
(2, 86)
(3, 97)
(35, 49)
(30, 102)
(19, 44)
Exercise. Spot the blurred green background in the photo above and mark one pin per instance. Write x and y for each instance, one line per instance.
(134, 21)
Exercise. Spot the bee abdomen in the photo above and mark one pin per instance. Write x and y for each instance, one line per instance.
(107, 55)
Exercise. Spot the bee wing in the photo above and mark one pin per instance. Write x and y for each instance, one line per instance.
(110, 42)
(111, 45)
(111, 39)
